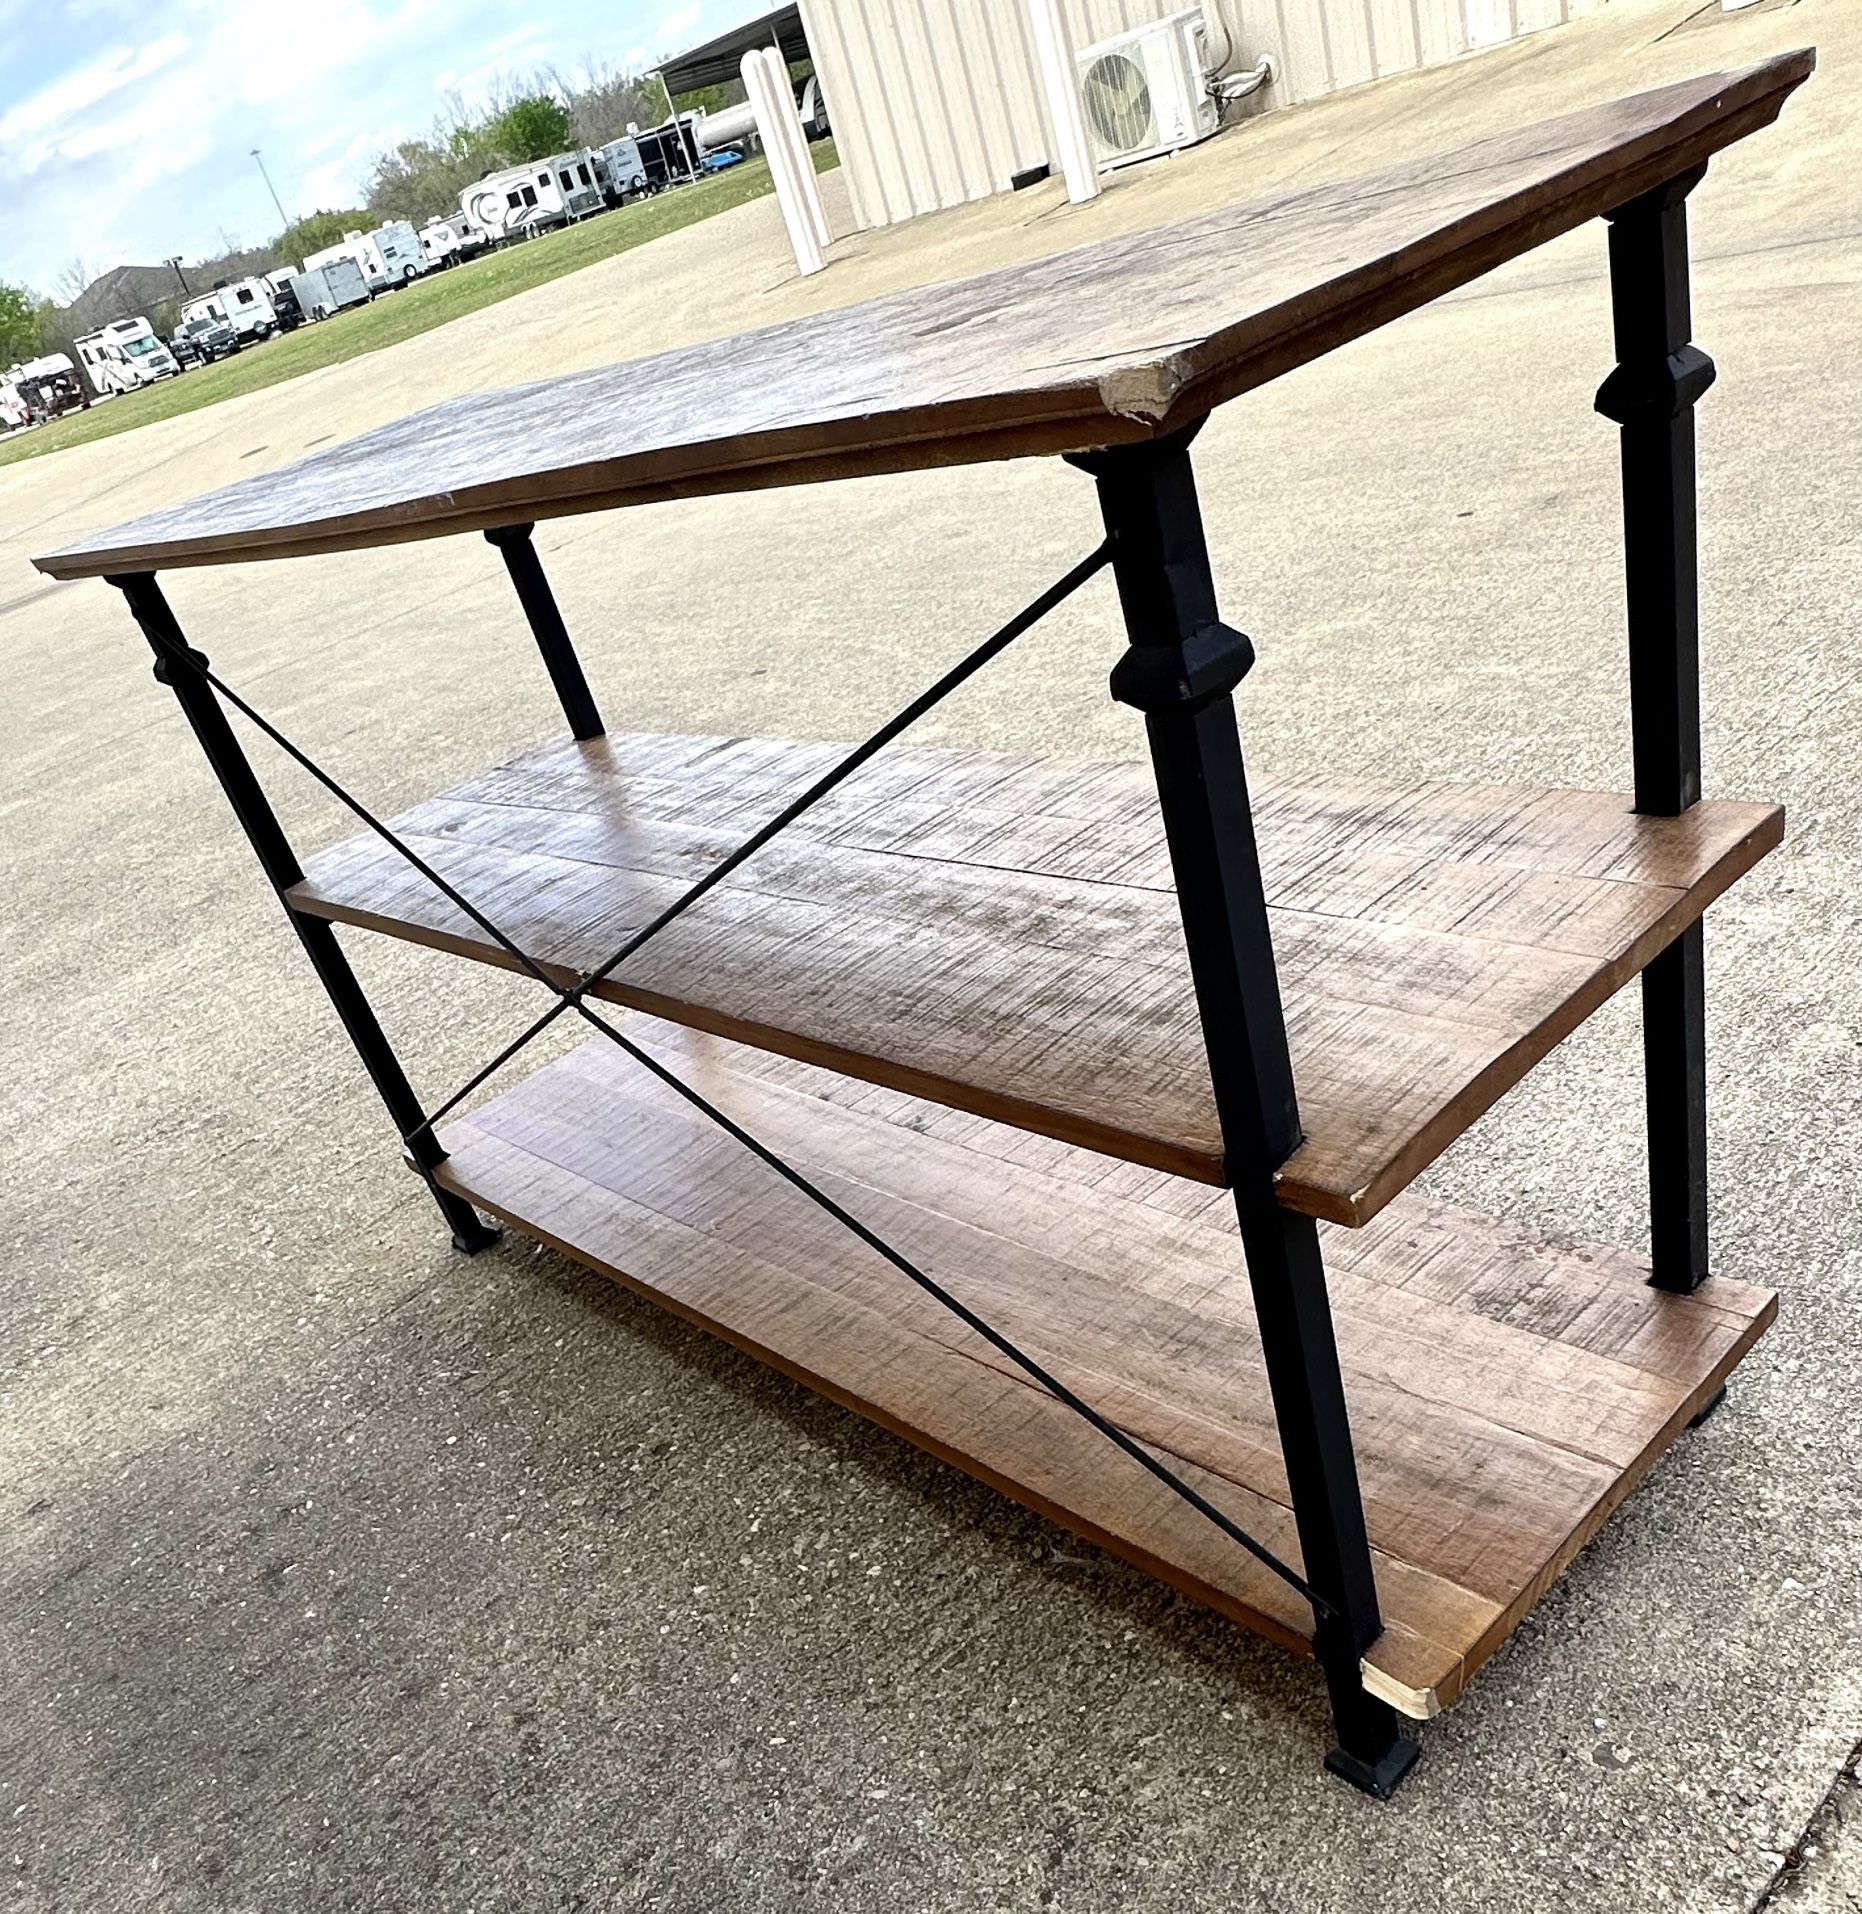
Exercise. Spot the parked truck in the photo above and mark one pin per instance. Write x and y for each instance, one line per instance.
(124, 356)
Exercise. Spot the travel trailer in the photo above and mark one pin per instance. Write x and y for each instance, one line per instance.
(48, 386)
(245, 305)
(445, 241)
(530, 199)
(622, 171)
(323, 290)
(14, 411)
(388, 256)
(124, 355)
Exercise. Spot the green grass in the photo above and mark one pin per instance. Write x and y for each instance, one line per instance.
(418, 308)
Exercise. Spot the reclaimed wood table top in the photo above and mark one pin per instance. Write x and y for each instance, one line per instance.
(1107, 343)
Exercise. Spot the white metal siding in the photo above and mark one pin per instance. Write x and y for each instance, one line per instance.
(935, 102)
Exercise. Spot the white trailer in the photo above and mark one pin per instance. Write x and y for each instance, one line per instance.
(125, 355)
(445, 240)
(388, 256)
(244, 304)
(534, 197)
(330, 288)
(623, 172)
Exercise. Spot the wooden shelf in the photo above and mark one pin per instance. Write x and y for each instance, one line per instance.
(1505, 1391)
(1001, 934)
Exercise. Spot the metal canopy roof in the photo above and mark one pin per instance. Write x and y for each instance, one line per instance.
(718, 60)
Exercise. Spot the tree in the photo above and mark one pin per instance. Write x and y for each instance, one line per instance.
(532, 128)
(315, 231)
(19, 324)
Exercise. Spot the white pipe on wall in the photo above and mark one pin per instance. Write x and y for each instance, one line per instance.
(782, 92)
(1053, 45)
(770, 108)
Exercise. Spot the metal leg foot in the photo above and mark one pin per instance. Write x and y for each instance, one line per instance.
(1379, 1778)
(1372, 1751)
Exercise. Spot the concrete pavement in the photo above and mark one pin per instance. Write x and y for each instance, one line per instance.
(339, 1573)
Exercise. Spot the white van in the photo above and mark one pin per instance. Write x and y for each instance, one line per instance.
(125, 355)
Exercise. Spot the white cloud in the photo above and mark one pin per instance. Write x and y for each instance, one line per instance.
(143, 150)
(34, 123)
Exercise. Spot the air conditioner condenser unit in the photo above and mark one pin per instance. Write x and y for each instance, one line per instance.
(1144, 91)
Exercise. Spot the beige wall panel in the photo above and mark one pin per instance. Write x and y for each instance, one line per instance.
(1488, 21)
(1348, 35)
(1303, 55)
(1442, 31)
(939, 101)
(1396, 35)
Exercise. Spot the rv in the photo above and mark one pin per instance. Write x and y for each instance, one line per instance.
(329, 288)
(445, 241)
(245, 305)
(530, 199)
(124, 355)
(388, 256)
(622, 171)
(48, 386)
(14, 411)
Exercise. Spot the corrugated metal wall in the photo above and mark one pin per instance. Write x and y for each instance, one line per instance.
(935, 102)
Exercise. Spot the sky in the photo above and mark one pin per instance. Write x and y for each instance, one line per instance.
(126, 129)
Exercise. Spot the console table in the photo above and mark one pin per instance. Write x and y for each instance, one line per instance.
(1002, 1100)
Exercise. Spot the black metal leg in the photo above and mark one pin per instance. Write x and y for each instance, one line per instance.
(552, 635)
(260, 824)
(1182, 665)
(1659, 375)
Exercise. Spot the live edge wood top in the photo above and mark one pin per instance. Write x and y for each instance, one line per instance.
(1001, 934)
(1109, 342)
(1505, 1390)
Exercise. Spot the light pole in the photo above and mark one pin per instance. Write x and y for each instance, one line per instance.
(284, 218)
(180, 275)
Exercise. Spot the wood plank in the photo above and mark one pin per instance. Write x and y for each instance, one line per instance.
(1105, 343)
(1505, 1390)
(1001, 934)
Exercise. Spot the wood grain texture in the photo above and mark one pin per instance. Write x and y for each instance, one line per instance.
(1001, 933)
(1105, 343)
(1505, 1390)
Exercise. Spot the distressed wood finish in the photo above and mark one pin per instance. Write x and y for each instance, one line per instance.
(1001, 933)
(1105, 343)
(1506, 1391)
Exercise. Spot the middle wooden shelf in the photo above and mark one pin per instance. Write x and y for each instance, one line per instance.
(1000, 934)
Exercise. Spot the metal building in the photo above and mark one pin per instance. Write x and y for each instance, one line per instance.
(935, 102)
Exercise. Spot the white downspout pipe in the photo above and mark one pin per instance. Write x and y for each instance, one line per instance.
(758, 83)
(1053, 46)
(782, 93)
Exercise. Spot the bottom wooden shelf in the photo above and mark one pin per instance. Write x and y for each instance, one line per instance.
(1506, 1391)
